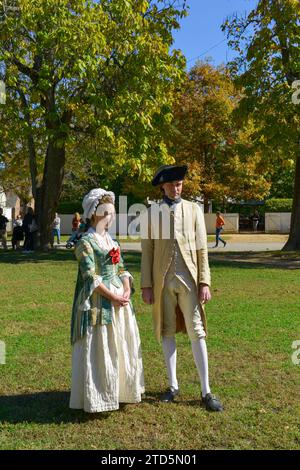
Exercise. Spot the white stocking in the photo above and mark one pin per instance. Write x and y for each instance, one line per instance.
(201, 360)
(169, 349)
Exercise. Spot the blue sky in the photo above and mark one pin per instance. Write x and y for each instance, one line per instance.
(200, 33)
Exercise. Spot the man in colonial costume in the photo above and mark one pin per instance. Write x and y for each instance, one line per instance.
(175, 276)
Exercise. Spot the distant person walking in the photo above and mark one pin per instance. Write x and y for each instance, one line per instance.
(56, 229)
(220, 222)
(3, 235)
(18, 234)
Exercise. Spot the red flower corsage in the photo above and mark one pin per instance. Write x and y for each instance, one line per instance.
(115, 255)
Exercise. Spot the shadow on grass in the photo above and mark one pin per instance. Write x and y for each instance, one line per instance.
(44, 408)
(53, 407)
(256, 260)
(154, 398)
(10, 257)
(242, 260)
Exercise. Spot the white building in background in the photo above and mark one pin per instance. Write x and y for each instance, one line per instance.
(2, 198)
(7, 211)
(10, 204)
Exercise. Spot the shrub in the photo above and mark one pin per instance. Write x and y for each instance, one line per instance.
(279, 205)
(70, 207)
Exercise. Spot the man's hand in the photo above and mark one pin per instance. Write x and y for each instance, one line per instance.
(204, 293)
(147, 294)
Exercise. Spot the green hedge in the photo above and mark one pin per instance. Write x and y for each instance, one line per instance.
(69, 207)
(279, 205)
(244, 210)
(270, 205)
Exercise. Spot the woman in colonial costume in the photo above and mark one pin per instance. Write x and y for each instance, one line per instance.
(106, 359)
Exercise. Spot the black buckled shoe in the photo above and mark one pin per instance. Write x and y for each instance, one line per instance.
(212, 403)
(169, 395)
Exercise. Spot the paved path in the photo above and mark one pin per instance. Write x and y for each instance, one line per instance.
(237, 247)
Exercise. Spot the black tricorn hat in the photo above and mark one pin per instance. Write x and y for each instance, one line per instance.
(166, 173)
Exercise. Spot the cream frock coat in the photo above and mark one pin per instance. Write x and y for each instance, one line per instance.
(157, 249)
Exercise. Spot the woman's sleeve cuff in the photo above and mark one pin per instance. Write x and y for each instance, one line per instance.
(86, 305)
(126, 274)
(129, 275)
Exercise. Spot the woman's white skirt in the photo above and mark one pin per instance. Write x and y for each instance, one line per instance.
(107, 364)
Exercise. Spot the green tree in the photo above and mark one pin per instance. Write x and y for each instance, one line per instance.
(282, 176)
(267, 68)
(14, 163)
(88, 70)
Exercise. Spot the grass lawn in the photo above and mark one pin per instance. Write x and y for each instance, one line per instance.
(253, 320)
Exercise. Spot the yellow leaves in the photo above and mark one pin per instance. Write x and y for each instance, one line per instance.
(288, 163)
(295, 4)
(208, 135)
(143, 5)
(73, 106)
(107, 132)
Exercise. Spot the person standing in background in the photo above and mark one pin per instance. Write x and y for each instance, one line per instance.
(56, 229)
(18, 234)
(255, 220)
(29, 229)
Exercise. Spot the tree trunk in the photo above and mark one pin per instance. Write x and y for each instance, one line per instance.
(48, 194)
(206, 204)
(50, 191)
(293, 242)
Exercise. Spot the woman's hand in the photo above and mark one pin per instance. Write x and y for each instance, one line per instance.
(126, 287)
(119, 300)
(127, 293)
